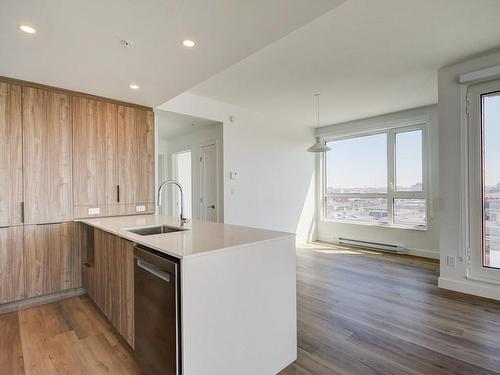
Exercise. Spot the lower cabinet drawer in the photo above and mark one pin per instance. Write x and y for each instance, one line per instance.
(111, 281)
(11, 264)
(51, 259)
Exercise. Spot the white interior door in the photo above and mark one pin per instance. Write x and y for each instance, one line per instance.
(208, 201)
(484, 180)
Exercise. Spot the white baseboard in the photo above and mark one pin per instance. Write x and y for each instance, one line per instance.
(471, 287)
(423, 253)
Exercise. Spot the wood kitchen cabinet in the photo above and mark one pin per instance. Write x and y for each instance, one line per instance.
(136, 155)
(113, 163)
(51, 258)
(47, 156)
(94, 152)
(11, 157)
(11, 264)
(113, 270)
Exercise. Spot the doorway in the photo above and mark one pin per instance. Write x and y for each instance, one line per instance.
(190, 151)
(183, 171)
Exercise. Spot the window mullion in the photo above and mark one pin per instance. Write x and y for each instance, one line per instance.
(391, 175)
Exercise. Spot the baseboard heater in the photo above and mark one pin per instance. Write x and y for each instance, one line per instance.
(374, 245)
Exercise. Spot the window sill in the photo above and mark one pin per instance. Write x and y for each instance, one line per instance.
(380, 225)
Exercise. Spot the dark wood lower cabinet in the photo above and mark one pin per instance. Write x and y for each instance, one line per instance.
(51, 258)
(111, 281)
(11, 264)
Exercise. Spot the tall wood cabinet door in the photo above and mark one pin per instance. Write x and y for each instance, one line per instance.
(11, 157)
(136, 155)
(51, 259)
(47, 154)
(11, 264)
(94, 152)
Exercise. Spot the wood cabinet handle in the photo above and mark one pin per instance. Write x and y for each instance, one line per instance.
(118, 193)
(22, 212)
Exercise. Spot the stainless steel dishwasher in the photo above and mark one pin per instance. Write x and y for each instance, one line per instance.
(156, 308)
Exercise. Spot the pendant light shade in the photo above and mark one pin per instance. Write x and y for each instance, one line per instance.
(319, 146)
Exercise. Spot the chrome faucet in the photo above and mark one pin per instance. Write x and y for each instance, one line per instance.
(183, 220)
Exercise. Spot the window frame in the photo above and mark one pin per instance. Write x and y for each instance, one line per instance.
(474, 218)
(392, 193)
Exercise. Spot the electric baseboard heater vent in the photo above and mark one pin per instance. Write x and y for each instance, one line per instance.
(373, 245)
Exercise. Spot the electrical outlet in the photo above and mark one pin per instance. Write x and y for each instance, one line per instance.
(140, 208)
(451, 261)
(94, 211)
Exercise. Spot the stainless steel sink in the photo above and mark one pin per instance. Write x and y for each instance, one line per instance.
(148, 231)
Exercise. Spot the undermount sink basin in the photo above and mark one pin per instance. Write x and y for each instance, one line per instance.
(148, 231)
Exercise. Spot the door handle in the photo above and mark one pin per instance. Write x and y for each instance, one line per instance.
(154, 270)
(211, 206)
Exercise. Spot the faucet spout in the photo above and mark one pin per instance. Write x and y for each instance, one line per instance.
(183, 220)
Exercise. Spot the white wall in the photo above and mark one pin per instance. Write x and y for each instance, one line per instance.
(275, 186)
(417, 242)
(193, 141)
(452, 158)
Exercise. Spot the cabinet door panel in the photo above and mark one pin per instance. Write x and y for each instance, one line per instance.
(124, 282)
(94, 152)
(11, 264)
(47, 154)
(114, 281)
(135, 155)
(52, 261)
(11, 174)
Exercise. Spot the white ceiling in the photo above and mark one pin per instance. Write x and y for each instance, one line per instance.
(365, 57)
(78, 42)
(172, 125)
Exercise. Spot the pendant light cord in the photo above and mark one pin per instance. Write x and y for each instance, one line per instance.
(317, 96)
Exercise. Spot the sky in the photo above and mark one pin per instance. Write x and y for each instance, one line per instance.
(362, 161)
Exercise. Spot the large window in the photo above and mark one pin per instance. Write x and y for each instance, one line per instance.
(377, 178)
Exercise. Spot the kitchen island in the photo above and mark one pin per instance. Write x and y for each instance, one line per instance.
(237, 291)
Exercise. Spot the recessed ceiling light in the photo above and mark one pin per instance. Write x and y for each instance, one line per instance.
(27, 29)
(133, 86)
(188, 43)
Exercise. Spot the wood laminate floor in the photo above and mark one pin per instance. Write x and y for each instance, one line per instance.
(360, 312)
(364, 312)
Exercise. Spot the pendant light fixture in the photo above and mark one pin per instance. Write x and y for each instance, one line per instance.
(319, 146)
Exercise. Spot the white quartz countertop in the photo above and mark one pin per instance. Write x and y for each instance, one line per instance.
(200, 238)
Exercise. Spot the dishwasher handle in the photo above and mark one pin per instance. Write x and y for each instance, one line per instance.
(154, 270)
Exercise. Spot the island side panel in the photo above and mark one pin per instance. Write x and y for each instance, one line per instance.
(239, 310)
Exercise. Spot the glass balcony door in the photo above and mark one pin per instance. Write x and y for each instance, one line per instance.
(484, 175)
